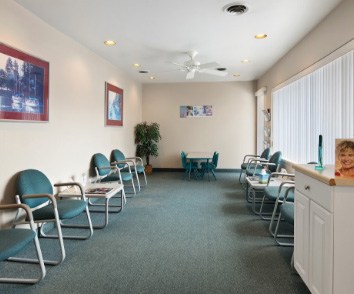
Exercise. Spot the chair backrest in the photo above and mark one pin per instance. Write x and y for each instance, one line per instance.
(32, 181)
(266, 153)
(99, 160)
(117, 155)
(215, 159)
(275, 158)
(184, 159)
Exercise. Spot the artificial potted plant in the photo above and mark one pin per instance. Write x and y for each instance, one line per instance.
(147, 135)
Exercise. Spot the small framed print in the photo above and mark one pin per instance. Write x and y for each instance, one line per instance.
(24, 86)
(114, 105)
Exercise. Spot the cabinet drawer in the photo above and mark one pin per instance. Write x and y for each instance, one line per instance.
(315, 190)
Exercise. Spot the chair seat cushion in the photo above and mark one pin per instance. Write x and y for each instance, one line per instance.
(111, 178)
(287, 212)
(66, 208)
(140, 169)
(271, 192)
(126, 176)
(13, 240)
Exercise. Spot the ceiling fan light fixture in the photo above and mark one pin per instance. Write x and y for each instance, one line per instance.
(245, 61)
(136, 65)
(235, 8)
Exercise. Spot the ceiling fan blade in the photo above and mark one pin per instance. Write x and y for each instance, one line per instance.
(214, 72)
(190, 75)
(208, 65)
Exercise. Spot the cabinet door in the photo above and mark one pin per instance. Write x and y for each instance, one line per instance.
(301, 235)
(321, 250)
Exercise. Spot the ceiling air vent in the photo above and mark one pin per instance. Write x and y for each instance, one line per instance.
(235, 8)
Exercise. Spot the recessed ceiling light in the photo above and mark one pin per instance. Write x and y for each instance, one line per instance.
(109, 43)
(136, 64)
(152, 78)
(245, 61)
(261, 36)
(236, 75)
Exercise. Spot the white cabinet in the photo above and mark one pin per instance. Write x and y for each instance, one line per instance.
(324, 231)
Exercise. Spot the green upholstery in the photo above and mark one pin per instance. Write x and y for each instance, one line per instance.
(67, 209)
(210, 167)
(272, 165)
(33, 181)
(118, 155)
(265, 155)
(287, 212)
(271, 192)
(12, 241)
(101, 161)
(187, 166)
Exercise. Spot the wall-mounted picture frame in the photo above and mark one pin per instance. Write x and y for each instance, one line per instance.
(195, 111)
(24, 86)
(114, 105)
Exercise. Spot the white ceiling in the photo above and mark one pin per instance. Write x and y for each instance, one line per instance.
(155, 33)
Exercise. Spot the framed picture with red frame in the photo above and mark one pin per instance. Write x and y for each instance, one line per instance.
(114, 105)
(24, 86)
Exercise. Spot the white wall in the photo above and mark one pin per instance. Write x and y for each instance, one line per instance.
(231, 129)
(63, 147)
(334, 31)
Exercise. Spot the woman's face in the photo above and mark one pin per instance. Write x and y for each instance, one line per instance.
(346, 158)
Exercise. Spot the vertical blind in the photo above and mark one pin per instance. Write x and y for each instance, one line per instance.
(319, 103)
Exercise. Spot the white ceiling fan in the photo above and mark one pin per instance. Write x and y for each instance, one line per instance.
(192, 66)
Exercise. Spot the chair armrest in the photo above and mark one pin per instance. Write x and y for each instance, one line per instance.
(70, 184)
(138, 159)
(249, 156)
(287, 192)
(49, 196)
(126, 162)
(20, 206)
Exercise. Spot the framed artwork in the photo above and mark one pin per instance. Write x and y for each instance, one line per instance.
(344, 165)
(196, 111)
(114, 105)
(24, 86)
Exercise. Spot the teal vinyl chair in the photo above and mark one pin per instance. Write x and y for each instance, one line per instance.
(256, 165)
(265, 155)
(35, 190)
(210, 167)
(135, 164)
(15, 240)
(286, 213)
(188, 166)
(109, 172)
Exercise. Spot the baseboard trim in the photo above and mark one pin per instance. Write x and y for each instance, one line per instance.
(219, 170)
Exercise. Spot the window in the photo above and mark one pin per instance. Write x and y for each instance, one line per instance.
(319, 103)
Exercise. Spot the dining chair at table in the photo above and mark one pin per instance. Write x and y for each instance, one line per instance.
(210, 167)
(188, 166)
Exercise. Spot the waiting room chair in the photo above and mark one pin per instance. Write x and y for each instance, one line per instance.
(135, 163)
(210, 167)
(188, 166)
(108, 172)
(248, 157)
(15, 240)
(35, 190)
(255, 165)
(287, 214)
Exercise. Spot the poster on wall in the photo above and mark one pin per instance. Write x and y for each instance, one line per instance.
(196, 111)
(114, 105)
(344, 158)
(24, 86)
